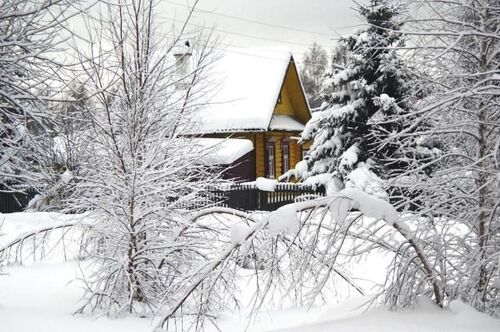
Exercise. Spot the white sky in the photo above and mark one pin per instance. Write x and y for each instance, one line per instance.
(289, 25)
(326, 18)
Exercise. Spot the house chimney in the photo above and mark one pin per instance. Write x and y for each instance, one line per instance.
(182, 52)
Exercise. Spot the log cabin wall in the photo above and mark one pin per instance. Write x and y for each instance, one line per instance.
(259, 140)
(277, 137)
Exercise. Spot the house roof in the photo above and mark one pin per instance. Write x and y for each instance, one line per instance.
(285, 123)
(250, 85)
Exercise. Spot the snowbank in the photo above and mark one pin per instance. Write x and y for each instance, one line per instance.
(43, 297)
(425, 317)
(16, 224)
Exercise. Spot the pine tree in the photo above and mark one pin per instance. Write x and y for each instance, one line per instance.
(364, 103)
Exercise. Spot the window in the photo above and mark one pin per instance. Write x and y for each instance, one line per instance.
(270, 160)
(305, 153)
(285, 153)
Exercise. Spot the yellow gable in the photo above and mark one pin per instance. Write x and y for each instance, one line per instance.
(292, 100)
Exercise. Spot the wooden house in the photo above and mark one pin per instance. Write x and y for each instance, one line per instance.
(260, 99)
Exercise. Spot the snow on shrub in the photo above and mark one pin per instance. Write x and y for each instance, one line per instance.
(371, 206)
(339, 209)
(284, 220)
(239, 233)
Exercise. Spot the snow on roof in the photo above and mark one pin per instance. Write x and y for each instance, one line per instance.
(250, 83)
(286, 123)
(223, 151)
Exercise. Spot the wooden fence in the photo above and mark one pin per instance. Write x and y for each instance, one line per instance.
(245, 196)
(15, 202)
(249, 197)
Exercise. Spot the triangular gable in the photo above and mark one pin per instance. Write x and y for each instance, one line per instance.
(292, 108)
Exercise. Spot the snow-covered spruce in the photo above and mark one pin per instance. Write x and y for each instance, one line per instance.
(364, 103)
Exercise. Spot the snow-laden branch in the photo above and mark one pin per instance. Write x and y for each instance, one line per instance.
(285, 224)
(43, 241)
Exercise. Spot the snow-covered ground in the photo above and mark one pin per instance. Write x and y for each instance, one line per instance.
(43, 296)
(14, 224)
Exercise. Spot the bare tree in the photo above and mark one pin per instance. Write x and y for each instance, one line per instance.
(313, 73)
(142, 174)
(456, 48)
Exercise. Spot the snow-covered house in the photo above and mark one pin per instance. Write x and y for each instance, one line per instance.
(260, 99)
